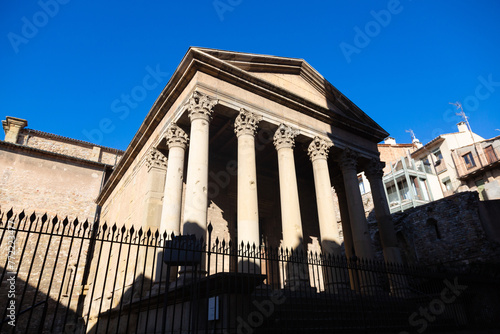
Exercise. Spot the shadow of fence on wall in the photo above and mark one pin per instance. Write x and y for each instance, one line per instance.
(81, 277)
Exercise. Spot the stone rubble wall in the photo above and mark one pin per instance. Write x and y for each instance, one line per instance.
(448, 231)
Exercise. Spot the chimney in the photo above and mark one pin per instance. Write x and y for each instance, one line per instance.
(462, 127)
(12, 126)
(417, 143)
(390, 141)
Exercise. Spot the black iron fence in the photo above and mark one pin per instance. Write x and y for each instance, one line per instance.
(62, 276)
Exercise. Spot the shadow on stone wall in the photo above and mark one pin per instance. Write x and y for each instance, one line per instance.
(453, 231)
(35, 312)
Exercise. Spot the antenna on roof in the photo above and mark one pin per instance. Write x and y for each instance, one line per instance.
(414, 139)
(462, 114)
(410, 131)
(466, 119)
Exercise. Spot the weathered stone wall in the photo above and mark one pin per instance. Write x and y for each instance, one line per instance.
(43, 262)
(447, 231)
(39, 183)
(78, 149)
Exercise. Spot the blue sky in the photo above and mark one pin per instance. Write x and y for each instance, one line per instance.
(64, 64)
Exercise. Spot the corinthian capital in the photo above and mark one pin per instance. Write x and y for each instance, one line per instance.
(201, 106)
(176, 137)
(246, 123)
(319, 148)
(375, 169)
(285, 137)
(348, 159)
(155, 159)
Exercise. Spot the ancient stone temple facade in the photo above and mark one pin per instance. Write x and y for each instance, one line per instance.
(253, 145)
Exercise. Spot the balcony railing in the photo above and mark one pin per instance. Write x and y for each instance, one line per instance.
(480, 160)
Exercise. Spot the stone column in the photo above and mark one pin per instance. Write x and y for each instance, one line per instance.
(330, 239)
(170, 222)
(284, 141)
(335, 278)
(156, 164)
(392, 253)
(338, 184)
(374, 173)
(177, 141)
(200, 109)
(245, 127)
(359, 226)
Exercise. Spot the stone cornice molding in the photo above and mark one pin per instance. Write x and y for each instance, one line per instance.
(375, 169)
(319, 148)
(15, 148)
(176, 137)
(13, 122)
(246, 123)
(284, 137)
(348, 160)
(155, 159)
(200, 106)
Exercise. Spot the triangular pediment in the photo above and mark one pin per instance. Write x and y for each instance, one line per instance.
(290, 82)
(296, 83)
(296, 77)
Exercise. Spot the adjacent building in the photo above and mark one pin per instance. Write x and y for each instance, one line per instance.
(48, 173)
(438, 154)
(478, 167)
(409, 184)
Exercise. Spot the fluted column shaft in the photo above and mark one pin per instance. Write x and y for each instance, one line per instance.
(359, 226)
(329, 233)
(156, 164)
(200, 109)
(284, 141)
(296, 272)
(339, 186)
(245, 127)
(171, 213)
(387, 233)
(338, 183)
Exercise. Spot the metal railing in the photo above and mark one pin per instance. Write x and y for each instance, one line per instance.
(478, 161)
(105, 279)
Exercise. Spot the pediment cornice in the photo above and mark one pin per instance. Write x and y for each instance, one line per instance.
(236, 68)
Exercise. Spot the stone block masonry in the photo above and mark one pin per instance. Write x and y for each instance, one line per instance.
(42, 172)
(448, 231)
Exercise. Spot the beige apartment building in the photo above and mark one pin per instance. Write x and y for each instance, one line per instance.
(478, 167)
(438, 154)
